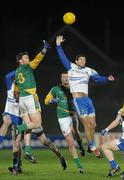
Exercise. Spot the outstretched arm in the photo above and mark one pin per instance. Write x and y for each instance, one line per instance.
(35, 62)
(65, 61)
(9, 79)
(98, 78)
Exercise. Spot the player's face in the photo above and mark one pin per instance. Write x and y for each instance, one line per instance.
(81, 61)
(64, 79)
(24, 59)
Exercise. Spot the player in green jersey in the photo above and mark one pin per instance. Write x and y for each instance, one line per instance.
(65, 114)
(29, 104)
(28, 100)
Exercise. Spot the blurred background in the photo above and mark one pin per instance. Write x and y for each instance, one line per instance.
(98, 32)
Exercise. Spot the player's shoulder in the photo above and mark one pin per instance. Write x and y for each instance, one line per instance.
(56, 87)
(21, 67)
(91, 71)
(73, 65)
(88, 69)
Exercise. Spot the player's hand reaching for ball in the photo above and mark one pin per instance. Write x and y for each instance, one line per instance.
(46, 46)
(111, 78)
(59, 40)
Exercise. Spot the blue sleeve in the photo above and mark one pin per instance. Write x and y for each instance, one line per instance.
(9, 79)
(65, 61)
(99, 79)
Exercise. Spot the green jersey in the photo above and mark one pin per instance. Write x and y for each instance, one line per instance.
(25, 79)
(24, 76)
(65, 106)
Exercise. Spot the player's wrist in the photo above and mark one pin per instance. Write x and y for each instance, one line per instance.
(43, 51)
(106, 129)
(58, 44)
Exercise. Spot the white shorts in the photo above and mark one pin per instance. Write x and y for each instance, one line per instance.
(65, 125)
(29, 104)
(38, 130)
(12, 108)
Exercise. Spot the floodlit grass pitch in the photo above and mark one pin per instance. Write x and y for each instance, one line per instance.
(49, 168)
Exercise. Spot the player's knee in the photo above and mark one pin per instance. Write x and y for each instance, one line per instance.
(70, 143)
(93, 125)
(103, 147)
(7, 122)
(16, 146)
(88, 126)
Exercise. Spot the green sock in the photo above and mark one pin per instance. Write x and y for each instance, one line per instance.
(28, 149)
(77, 162)
(22, 127)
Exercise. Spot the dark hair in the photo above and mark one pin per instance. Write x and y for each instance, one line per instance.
(64, 72)
(78, 56)
(19, 56)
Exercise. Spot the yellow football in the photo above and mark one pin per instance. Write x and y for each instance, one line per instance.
(69, 18)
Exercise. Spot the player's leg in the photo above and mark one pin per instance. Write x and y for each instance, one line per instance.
(4, 128)
(92, 125)
(77, 134)
(17, 161)
(35, 121)
(107, 148)
(88, 119)
(28, 148)
(30, 109)
(86, 123)
(81, 105)
(73, 151)
(66, 128)
(43, 139)
(92, 122)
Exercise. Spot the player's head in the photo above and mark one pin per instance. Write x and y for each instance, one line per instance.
(80, 60)
(23, 58)
(64, 78)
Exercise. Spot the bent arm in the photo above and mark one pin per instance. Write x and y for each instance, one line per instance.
(65, 61)
(9, 79)
(36, 61)
(48, 98)
(113, 124)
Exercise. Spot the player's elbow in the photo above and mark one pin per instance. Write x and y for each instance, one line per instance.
(46, 101)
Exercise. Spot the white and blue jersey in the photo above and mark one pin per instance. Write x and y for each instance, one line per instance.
(11, 107)
(79, 77)
(120, 142)
(78, 81)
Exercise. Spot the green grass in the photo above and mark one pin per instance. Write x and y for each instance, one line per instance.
(48, 167)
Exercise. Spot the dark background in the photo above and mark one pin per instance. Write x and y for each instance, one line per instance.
(23, 26)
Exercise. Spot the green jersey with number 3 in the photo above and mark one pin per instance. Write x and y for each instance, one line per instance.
(24, 76)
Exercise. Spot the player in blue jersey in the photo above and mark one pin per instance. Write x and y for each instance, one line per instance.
(11, 117)
(114, 144)
(79, 76)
